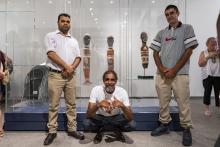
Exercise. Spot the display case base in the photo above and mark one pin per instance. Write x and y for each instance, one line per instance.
(34, 117)
(145, 77)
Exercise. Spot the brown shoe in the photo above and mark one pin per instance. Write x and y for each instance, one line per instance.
(76, 134)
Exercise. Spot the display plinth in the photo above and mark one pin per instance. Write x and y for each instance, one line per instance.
(145, 77)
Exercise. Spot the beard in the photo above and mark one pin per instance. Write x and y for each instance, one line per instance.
(64, 29)
(110, 89)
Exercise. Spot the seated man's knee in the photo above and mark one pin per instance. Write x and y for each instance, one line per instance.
(131, 126)
(86, 124)
(89, 125)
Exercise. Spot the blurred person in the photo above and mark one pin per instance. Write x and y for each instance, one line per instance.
(210, 67)
(2, 88)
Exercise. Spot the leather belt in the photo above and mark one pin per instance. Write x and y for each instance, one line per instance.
(54, 70)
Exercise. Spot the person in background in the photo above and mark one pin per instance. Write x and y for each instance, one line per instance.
(210, 67)
(217, 143)
(2, 88)
(172, 48)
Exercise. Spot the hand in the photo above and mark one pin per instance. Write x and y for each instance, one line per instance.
(106, 105)
(68, 71)
(116, 103)
(65, 74)
(162, 71)
(2, 75)
(213, 54)
(170, 73)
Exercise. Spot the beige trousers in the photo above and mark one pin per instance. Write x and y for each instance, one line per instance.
(180, 88)
(57, 84)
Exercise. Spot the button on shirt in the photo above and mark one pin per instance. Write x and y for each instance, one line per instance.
(66, 47)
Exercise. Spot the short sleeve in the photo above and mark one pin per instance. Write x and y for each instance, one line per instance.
(124, 96)
(77, 49)
(156, 44)
(93, 95)
(190, 40)
(50, 42)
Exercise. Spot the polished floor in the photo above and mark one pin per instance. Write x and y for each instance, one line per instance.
(205, 133)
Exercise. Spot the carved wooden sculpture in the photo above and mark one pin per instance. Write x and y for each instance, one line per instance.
(110, 53)
(86, 58)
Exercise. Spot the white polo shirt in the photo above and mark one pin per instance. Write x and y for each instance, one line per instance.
(66, 47)
(98, 94)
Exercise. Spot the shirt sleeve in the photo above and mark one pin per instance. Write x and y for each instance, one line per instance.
(124, 96)
(93, 95)
(49, 42)
(190, 38)
(77, 49)
(156, 44)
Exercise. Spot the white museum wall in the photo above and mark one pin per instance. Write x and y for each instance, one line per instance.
(25, 23)
(202, 15)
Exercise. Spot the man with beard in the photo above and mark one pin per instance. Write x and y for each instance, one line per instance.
(63, 57)
(109, 109)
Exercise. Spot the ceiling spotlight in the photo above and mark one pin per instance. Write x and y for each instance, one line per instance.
(50, 2)
(153, 2)
(90, 9)
(111, 2)
(91, 2)
(92, 14)
(69, 2)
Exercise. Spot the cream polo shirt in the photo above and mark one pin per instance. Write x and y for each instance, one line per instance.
(66, 47)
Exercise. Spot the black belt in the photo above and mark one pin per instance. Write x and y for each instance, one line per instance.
(54, 70)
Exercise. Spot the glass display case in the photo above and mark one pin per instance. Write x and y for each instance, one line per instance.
(25, 23)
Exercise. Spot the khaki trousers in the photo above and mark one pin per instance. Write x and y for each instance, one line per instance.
(180, 88)
(57, 84)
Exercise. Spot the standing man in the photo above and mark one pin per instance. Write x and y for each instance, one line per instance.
(109, 109)
(63, 57)
(172, 48)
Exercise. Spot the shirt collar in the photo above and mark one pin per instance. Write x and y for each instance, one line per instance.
(58, 32)
(179, 25)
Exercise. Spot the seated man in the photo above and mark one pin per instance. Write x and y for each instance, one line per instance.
(109, 109)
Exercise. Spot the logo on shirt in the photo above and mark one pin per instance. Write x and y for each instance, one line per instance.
(170, 38)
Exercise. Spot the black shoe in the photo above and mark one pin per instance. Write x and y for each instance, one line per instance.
(120, 136)
(49, 139)
(162, 129)
(187, 137)
(77, 135)
(98, 138)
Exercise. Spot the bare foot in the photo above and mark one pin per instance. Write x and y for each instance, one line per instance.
(207, 113)
(2, 133)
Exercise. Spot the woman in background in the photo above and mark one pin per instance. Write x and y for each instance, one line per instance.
(210, 66)
(2, 88)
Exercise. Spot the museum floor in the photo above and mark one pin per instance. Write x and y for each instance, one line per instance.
(205, 133)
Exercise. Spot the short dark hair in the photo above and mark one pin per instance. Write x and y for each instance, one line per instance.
(209, 39)
(110, 72)
(172, 7)
(62, 14)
